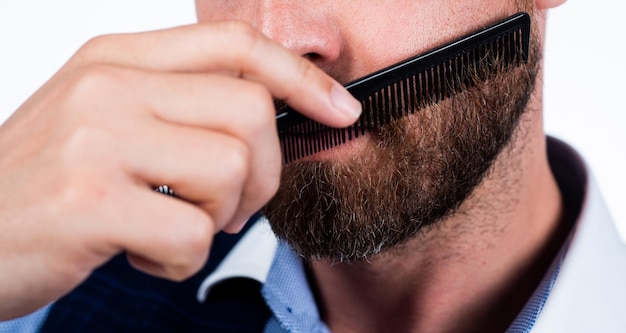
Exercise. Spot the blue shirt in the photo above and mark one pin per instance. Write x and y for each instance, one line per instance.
(289, 296)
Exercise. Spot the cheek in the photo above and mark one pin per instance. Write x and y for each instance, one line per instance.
(379, 34)
(374, 43)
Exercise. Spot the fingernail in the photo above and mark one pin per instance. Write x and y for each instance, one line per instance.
(344, 102)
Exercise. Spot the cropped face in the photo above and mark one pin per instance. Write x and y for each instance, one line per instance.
(350, 39)
(379, 191)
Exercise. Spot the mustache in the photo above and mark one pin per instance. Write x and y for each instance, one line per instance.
(415, 83)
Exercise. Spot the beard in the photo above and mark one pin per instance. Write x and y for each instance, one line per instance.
(411, 175)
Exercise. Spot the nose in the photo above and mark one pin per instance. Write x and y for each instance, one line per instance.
(308, 28)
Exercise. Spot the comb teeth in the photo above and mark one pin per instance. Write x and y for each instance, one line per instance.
(413, 84)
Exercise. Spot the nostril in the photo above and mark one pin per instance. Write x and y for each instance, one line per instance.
(312, 56)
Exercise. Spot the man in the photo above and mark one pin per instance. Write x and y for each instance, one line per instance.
(457, 218)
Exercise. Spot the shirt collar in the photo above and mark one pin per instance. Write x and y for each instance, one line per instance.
(251, 258)
(589, 294)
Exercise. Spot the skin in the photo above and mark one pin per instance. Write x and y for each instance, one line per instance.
(458, 276)
(94, 195)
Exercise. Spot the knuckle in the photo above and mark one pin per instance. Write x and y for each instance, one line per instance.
(259, 94)
(85, 144)
(255, 110)
(89, 84)
(262, 115)
(236, 160)
(83, 193)
(93, 48)
(199, 240)
(84, 159)
(244, 36)
(274, 184)
(191, 247)
(270, 185)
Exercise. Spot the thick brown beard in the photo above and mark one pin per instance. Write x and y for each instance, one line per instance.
(414, 173)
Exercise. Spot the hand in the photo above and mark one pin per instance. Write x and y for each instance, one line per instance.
(190, 107)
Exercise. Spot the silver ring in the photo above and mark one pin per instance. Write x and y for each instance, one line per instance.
(165, 190)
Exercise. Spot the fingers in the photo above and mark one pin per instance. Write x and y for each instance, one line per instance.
(206, 168)
(210, 137)
(247, 115)
(235, 49)
(170, 240)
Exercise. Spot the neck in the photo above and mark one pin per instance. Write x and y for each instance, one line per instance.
(474, 271)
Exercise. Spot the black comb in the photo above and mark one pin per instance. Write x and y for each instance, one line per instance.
(410, 85)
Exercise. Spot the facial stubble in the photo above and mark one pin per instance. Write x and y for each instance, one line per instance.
(412, 174)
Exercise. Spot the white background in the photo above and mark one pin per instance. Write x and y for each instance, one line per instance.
(584, 79)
